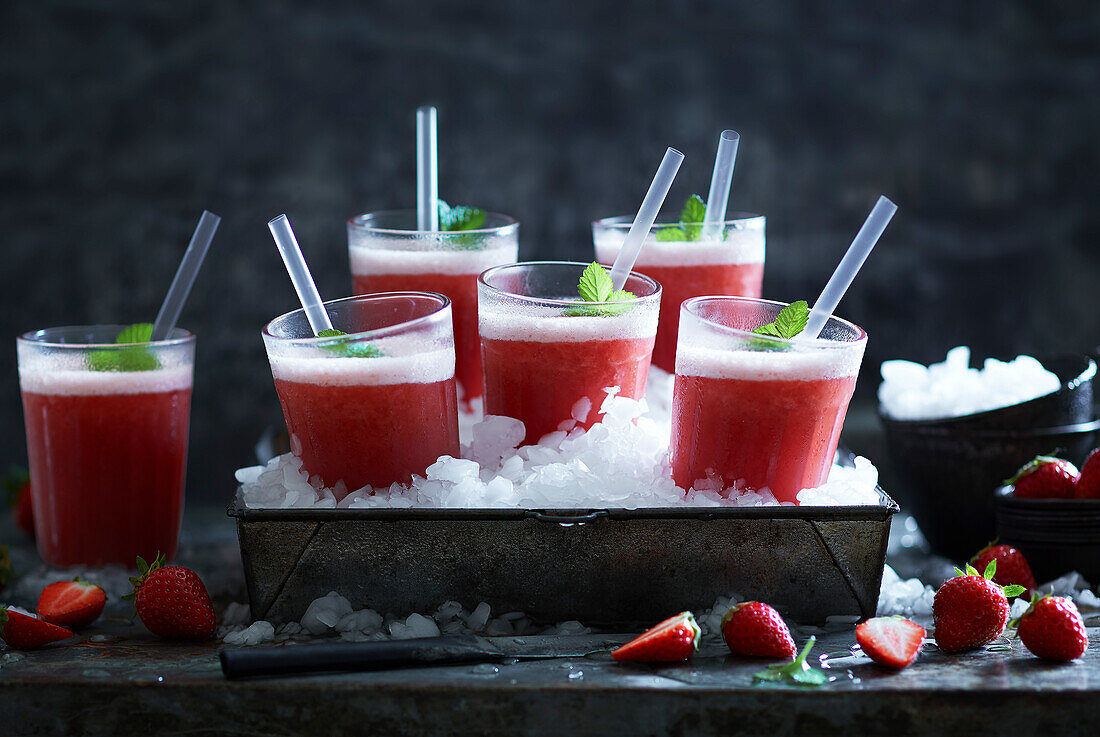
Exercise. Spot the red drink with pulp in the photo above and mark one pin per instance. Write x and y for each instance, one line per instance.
(550, 368)
(378, 406)
(388, 254)
(730, 263)
(759, 413)
(107, 447)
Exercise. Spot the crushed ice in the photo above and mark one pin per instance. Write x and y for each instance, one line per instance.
(620, 462)
(911, 391)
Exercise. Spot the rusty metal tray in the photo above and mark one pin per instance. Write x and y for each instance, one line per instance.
(604, 567)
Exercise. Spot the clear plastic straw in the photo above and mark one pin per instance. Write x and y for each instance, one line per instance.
(720, 180)
(427, 170)
(647, 215)
(298, 269)
(849, 266)
(185, 275)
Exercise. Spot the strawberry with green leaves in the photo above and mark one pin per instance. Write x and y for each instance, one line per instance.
(1012, 566)
(172, 601)
(970, 610)
(1052, 629)
(673, 640)
(1045, 477)
(24, 632)
(753, 628)
(74, 604)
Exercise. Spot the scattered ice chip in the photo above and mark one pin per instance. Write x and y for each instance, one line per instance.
(255, 634)
(323, 614)
(904, 597)
(910, 391)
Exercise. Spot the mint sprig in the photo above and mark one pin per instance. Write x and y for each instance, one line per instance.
(595, 287)
(345, 349)
(790, 321)
(460, 217)
(798, 672)
(691, 222)
(138, 358)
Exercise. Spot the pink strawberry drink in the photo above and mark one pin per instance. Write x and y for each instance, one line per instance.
(546, 366)
(388, 254)
(107, 429)
(374, 407)
(729, 263)
(754, 410)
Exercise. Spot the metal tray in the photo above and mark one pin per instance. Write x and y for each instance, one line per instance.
(604, 567)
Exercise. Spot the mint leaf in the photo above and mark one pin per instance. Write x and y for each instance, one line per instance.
(691, 217)
(799, 672)
(1013, 590)
(595, 284)
(790, 321)
(344, 349)
(138, 358)
(460, 217)
(694, 210)
(670, 234)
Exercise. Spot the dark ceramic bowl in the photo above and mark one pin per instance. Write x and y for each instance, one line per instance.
(1055, 535)
(949, 473)
(1071, 404)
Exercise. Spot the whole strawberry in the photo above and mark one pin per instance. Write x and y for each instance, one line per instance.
(1012, 567)
(1088, 483)
(22, 632)
(73, 604)
(172, 602)
(6, 570)
(1052, 628)
(671, 641)
(756, 629)
(970, 610)
(1045, 478)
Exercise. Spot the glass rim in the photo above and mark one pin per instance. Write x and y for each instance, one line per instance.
(688, 305)
(180, 336)
(442, 300)
(623, 222)
(551, 302)
(356, 222)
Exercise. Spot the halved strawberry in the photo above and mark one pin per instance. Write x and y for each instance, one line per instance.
(74, 604)
(893, 642)
(673, 640)
(23, 632)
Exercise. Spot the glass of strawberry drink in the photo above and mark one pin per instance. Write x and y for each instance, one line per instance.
(690, 262)
(107, 412)
(548, 356)
(759, 410)
(375, 402)
(388, 253)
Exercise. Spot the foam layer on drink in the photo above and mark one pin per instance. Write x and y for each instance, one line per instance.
(64, 375)
(549, 325)
(392, 256)
(328, 370)
(805, 364)
(740, 247)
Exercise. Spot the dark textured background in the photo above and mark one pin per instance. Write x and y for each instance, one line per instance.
(121, 121)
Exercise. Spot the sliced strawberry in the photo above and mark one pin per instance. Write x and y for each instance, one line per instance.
(673, 640)
(893, 642)
(22, 632)
(1045, 478)
(1088, 483)
(73, 604)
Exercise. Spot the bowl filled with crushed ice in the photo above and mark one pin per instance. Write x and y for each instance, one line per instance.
(955, 433)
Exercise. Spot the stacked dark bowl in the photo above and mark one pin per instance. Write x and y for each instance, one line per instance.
(951, 468)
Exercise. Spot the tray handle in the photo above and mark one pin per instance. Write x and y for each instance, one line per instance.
(567, 519)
